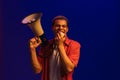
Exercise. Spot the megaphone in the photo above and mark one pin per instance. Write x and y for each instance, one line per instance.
(34, 23)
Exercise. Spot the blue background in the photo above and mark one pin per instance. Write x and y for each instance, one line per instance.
(93, 23)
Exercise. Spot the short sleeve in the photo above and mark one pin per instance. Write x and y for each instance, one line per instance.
(74, 52)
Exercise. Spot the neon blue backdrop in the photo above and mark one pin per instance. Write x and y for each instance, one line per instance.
(93, 23)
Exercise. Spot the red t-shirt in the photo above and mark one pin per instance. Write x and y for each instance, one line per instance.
(72, 49)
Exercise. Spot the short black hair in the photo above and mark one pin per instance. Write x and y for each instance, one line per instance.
(59, 17)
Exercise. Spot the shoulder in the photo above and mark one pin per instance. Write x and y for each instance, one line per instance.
(51, 41)
(74, 43)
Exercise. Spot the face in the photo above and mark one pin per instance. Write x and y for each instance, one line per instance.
(60, 26)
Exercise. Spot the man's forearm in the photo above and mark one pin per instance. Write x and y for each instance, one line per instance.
(68, 64)
(34, 60)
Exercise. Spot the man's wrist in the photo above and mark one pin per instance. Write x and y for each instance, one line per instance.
(32, 49)
(60, 45)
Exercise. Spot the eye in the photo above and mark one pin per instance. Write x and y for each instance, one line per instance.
(57, 25)
(64, 26)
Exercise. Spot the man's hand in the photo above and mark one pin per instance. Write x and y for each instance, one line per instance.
(60, 38)
(34, 42)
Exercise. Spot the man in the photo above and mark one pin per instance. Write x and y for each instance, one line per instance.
(58, 59)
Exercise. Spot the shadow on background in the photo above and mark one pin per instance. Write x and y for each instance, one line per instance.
(93, 23)
(1, 48)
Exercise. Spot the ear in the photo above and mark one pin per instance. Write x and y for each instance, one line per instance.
(67, 29)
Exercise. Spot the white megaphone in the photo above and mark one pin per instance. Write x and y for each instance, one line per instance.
(34, 22)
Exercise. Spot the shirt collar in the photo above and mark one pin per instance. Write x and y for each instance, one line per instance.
(67, 41)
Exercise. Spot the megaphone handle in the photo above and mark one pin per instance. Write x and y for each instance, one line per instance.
(43, 39)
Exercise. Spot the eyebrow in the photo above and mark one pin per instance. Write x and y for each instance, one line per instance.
(59, 25)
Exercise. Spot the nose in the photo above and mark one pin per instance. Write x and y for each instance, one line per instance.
(60, 27)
